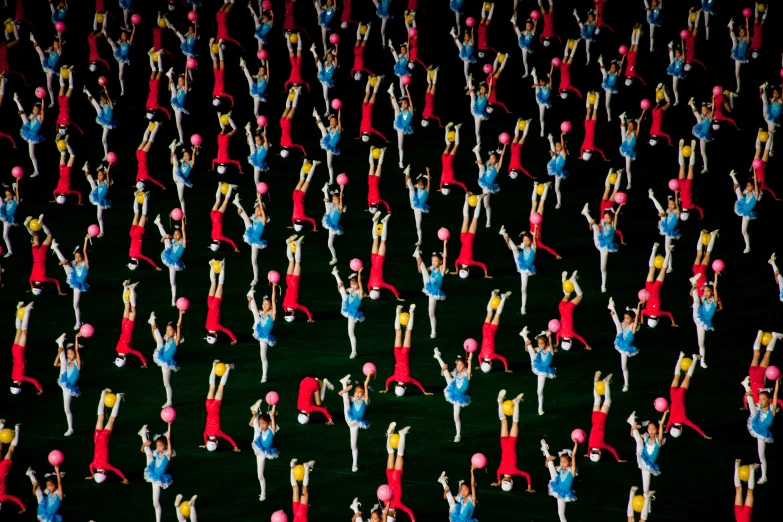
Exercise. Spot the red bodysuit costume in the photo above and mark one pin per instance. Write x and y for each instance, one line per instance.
(216, 217)
(345, 17)
(758, 36)
(299, 213)
(508, 460)
(488, 331)
(718, 115)
(222, 153)
(137, 235)
(95, 56)
(295, 78)
(366, 124)
(657, 122)
(300, 511)
(566, 331)
(761, 176)
(64, 184)
(126, 338)
(549, 27)
(305, 402)
(428, 113)
(376, 275)
(291, 298)
(466, 252)
(5, 469)
(219, 90)
(142, 170)
(630, 67)
(599, 14)
(493, 93)
(447, 176)
(598, 433)
(690, 51)
(394, 478)
(38, 273)
(483, 42)
(537, 231)
(213, 317)
(100, 458)
(374, 192)
(152, 98)
(686, 197)
(402, 369)
(286, 141)
(358, 60)
(677, 410)
(20, 366)
(565, 79)
(222, 28)
(515, 163)
(588, 144)
(64, 114)
(652, 307)
(212, 428)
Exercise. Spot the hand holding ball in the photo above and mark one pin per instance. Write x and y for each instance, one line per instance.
(195, 140)
(262, 188)
(565, 126)
(261, 121)
(40, 93)
(504, 138)
(17, 172)
(718, 265)
(272, 398)
(644, 295)
(684, 34)
(470, 21)
(661, 405)
(93, 230)
(578, 436)
(384, 493)
(470, 345)
(644, 104)
(772, 373)
(168, 414)
(674, 184)
(87, 331)
(554, 325)
(136, 19)
(369, 369)
(183, 303)
(273, 276)
(356, 264)
(334, 38)
(479, 460)
(56, 457)
(337, 104)
(443, 234)
(111, 158)
(342, 179)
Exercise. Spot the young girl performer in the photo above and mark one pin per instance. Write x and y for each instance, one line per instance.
(413, 36)
(669, 218)
(38, 273)
(165, 351)
(259, 149)
(700, 264)
(5, 469)
(757, 40)
(772, 107)
(264, 430)
(31, 129)
(487, 174)
(382, 11)
(394, 468)
(213, 403)
(566, 309)
(64, 182)
(99, 191)
(648, 446)
(301, 497)
(543, 91)
(631, 72)
(433, 281)
(508, 447)
(142, 168)
(690, 41)
(587, 30)
(686, 185)
(49, 500)
(293, 273)
(263, 323)
(101, 438)
(565, 69)
(254, 230)
(216, 216)
(137, 232)
(760, 420)
(591, 119)
(466, 50)
(75, 275)
(761, 159)
(326, 71)
(743, 508)
(702, 129)
(223, 158)
(355, 409)
(662, 104)
(263, 25)
(548, 17)
(19, 368)
(157, 464)
(258, 83)
(123, 347)
(351, 304)
(725, 101)
(299, 214)
(403, 119)
(626, 331)
(7, 214)
(214, 302)
(330, 139)
(402, 63)
(489, 330)
(447, 177)
(756, 373)
(704, 308)
(739, 48)
(524, 258)
(483, 30)
(171, 256)
(562, 476)
(457, 384)
(608, 197)
(609, 83)
(597, 441)
(525, 40)
(776, 272)
(362, 35)
(179, 95)
(492, 81)
(652, 306)
(312, 393)
(746, 202)
(678, 417)
(121, 50)
(92, 40)
(515, 163)
(368, 105)
(541, 357)
(105, 115)
(374, 181)
(556, 165)
(603, 237)
(222, 23)
(467, 237)
(629, 133)
(219, 71)
(50, 59)
(187, 41)
(286, 122)
(461, 508)
(654, 15)
(181, 170)
(418, 194)
(378, 258)
(645, 512)
(402, 356)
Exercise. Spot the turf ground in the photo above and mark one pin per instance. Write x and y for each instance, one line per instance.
(697, 474)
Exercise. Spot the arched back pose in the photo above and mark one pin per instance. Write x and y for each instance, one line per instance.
(374, 199)
(463, 506)
(418, 193)
(368, 105)
(724, 102)
(701, 262)
(776, 273)
(669, 218)
(295, 59)
(394, 468)
(49, 500)
(257, 83)
(330, 139)
(704, 308)
(588, 30)
(291, 300)
(686, 185)
(166, 350)
(123, 347)
(541, 357)
(254, 230)
(223, 158)
(566, 309)
(19, 368)
(739, 48)
(746, 202)
(31, 129)
(263, 25)
(561, 476)
(631, 71)
(67, 160)
(5, 469)
(690, 41)
(99, 190)
(264, 430)
(142, 169)
(299, 215)
(413, 36)
(487, 10)
(351, 304)
(447, 176)
(603, 236)
(515, 163)
(76, 272)
(219, 72)
(758, 367)
(492, 81)
(171, 256)
(137, 232)
(181, 170)
(596, 443)
(525, 39)
(433, 281)
(104, 109)
(543, 91)
(678, 417)
(760, 161)
(179, 96)
(648, 446)
(378, 256)
(662, 104)
(467, 237)
(221, 18)
(301, 497)
(259, 149)
(756, 43)
(38, 273)
(488, 172)
(548, 16)
(428, 113)
(653, 308)
(355, 409)
(524, 259)
(121, 50)
(457, 384)
(216, 216)
(50, 59)
(214, 302)
(101, 438)
(508, 447)
(489, 329)
(743, 507)
(760, 421)
(8, 207)
(263, 324)
(312, 394)
(608, 199)
(157, 464)
(212, 431)
(626, 331)
(403, 119)
(609, 83)
(537, 210)
(402, 356)
(565, 69)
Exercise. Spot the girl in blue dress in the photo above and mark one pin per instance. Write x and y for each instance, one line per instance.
(258, 84)
(457, 384)
(609, 83)
(403, 119)
(746, 202)
(121, 50)
(179, 100)
(59, 10)
(351, 303)
(760, 421)
(708, 7)
(174, 248)
(187, 41)
(263, 25)
(670, 218)
(402, 64)
(383, 12)
(259, 149)
(488, 173)
(772, 106)
(556, 165)
(648, 447)
(456, 8)
(330, 139)
(326, 12)
(76, 272)
(8, 215)
(326, 71)
(629, 134)
(479, 105)
(127, 9)
(739, 48)
(49, 499)
(525, 39)
(623, 341)
(264, 430)
(524, 259)
(588, 30)
(704, 308)
(603, 237)
(263, 324)
(181, 170)
(355, 409)
(166, 351)
(702, 129)
(433, 281)
(333, 211)
(105, 111)
(561, 477)
(654, 10)
(676, 69)
(418, 193)
(50, 59)
(31, 129)
(467, 51)
(99, 190)
(157, 464)
(541, 358)
(462, 507)
(254, 230)
(69, 361)
(543, 90)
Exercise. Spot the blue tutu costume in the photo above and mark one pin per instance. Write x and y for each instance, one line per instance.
(556, 166)
(164, 356)
(542, 364)
(352, 306)
(383, 9)
(588, 32)
(560, 486)
(647, 458)
(606, 238)
(260, 86)
(404, 122)
(258, 158)
(51, 60)
(704, 314)
(69, 378)
(402, 66)
(155, 473)
(525, 41)
(331, 140)
(59, 14)
(677, 69)
(183, 173)
(331, 220)
(326, 74)
(326, 17)
(610, 82)
(262, 330)
(466, 53)
(708, 6)
(457, 391)
(30, 131)
(744, 206)
(456, 5)
(479, 107)
(126, 5)
(179, 99)
(667, 225)
(526, 261)
(434, 284)
(759, 424)
(462, 512)
(740, 51)
(106, 117)
(628, 147)
(356, 412)
(487, 180)
(263, 30)
(773, 113)
(8, 210)
(253, 235)
(655, 16)
(77, 277)
(263, 444)
(48, 507)
(98, 195)
(420, 197)
(702, 129)
(544, 96)
(172, 255)
(122, 52)
(188, 46)
(623, 342)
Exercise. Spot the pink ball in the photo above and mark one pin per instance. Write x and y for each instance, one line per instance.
(644, 104)
(111, 158)
(413, 32)
(334, 38)
(342, 179)
(479, 460)
(718, 265)
(168, 414)
(262, 55)
(578, 435)
(405, 80)
(758, 163)
(623, 50)
(620, 198)
(565, 126)
(443, 234)
(272, 398)
(183, 303)
(684, 34)
(266, 5)
(59, 27)
(385, 492)
(488, 68)
(470, 345)
(102, 81)
(554, 325)
(195, 140)
(191, 63)
(136, 19)
(674, 184)
(193, 16)
(337, 104)
(747, 12)
(93, 230)
(536, 218)
(262, 188)
(17, 172)
(56, 457)
(644, 295)
(40, 93)
(262, 121)
(556, 61)
(781, 72)
(504, 138)
(718, 90)
(176, 214)
(661, 405)
(86, 330)
(369, 369)
(534, 15)
(772, 373)
(356, 264)
(278, 516)
(273, 276)
(470, 21)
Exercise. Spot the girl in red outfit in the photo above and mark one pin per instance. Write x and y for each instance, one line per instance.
(723, 102)
(483, 29)
(515, 163)
(293, 272)
(222, 23)
(548, 17)
(394, 468)
(18, 351)
(690, 41)
(64, 102)
(652, 306)
(295, 58)
(686, 185)
(566, 308)
(64, 183)
(743, 510)
(760, 161)
(156, 73)
(219, 70)
(214, 400)
(565, 69)
(447, 177)
(214, 302)
(101, 437)
(378, 257)
(468, 237)
(374, 182)
(492, 79)
(402, 356)
(631, 72)
(216, 216)
(428, 113)
(92, 41)
(312, 394)
(358, 51)
(223, 158)
(678, 417)
(662, 104)
(300, 502)
(38, 273)
(757, 378)
(345, 17)
(142, 168)
(508, 447)
(597, 442)
(137, 231)
(368, 105)
(5, 469)
(413, 38)
(757, 40)
(537, 208)
(591, 119)
(489, 330)
(123, 347)
(702, 260)
(299, 215)
(287, 120)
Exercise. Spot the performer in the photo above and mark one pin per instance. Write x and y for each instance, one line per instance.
(402, 355)
(312, 394)
(291, 300)
(123, 347)
(489, 330)
(508, 446)
(19, 368)
(101, 437)
(597, 440)
(212, 431)
(215, 301)
(468, 236)
(378, 257)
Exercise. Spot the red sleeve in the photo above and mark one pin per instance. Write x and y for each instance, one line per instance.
(610, 449)
(692, 425)
(111, 468)
(229, 439)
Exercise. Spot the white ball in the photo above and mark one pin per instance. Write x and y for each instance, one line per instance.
(652, 323)
(211, 445)
(375, 294)
(586, 156)
(399, 391)
(463, 273)
(99, 478)
(513, 174)
(486, 367)
(60, 199)
(303, 419)
(425, 122)
(221, 169)
(284, 153)
(119, 362)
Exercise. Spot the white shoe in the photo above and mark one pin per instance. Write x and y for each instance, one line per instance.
(345, 380)
(151, 320)
(333, 261)
(433, 335)
(328, 384)
(585, 209)
(143, 431)
(457, 438)
(355, 504)
(625, 388)
(632, 419)
(540, 411)
(390, 429)
(60, 339)
(443, 479)
(502, 231)
(501, 395)
(523, 311)
(544, 447)
(68, 433)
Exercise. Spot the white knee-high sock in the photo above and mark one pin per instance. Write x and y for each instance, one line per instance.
(762, 447)
(457, 421)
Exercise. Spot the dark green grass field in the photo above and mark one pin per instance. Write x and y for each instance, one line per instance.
(696, 479)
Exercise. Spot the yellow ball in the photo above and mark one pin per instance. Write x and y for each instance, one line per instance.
(766, 338)
(571, 44)
(292, 246)
(508, 407)
(472, 201)
(762, 8)
(126, 296)
(109, 400)
(373, 81)
(686, 151)
(394, 440)
(494, 303)
(162, 23)
(686, 363)
(431, 74)
(294, 38)
(376, 153)
(501, 57)
(154, 57)
(379, 229)
(140, 198)
(61, 146)
(20, 312)
(220, 369)
(34, 225)
(568, 286)
(451, 136)
(705, 239)
(65, 73)
(600, 387)
(224, 120)
(214, 49)
(409, 19)
(659, 95)
(299, 469)
(7, 436)
(612, 178)
(291, 95)
(540, 189)
(216, 267)
(658, 261)
(638, 503)
(694, 16)
(487, 6)
(152, 126)
(763, 136)
(99, 18)
(224, 188)
(307, 167)
(744, 472)
(404, 318)
(9, 27)
(363, 29)
(521, 125)
(184, 509)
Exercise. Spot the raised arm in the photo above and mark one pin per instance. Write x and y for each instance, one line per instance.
(660, 428)
(470, 365)
(179, 326)
(168, 437)
(428, 179)
(774, 403)
(359, 280)
(502, 155)
(574, 453)
(473, 484)
(367, 389)
(274, 301)
(84, 252)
